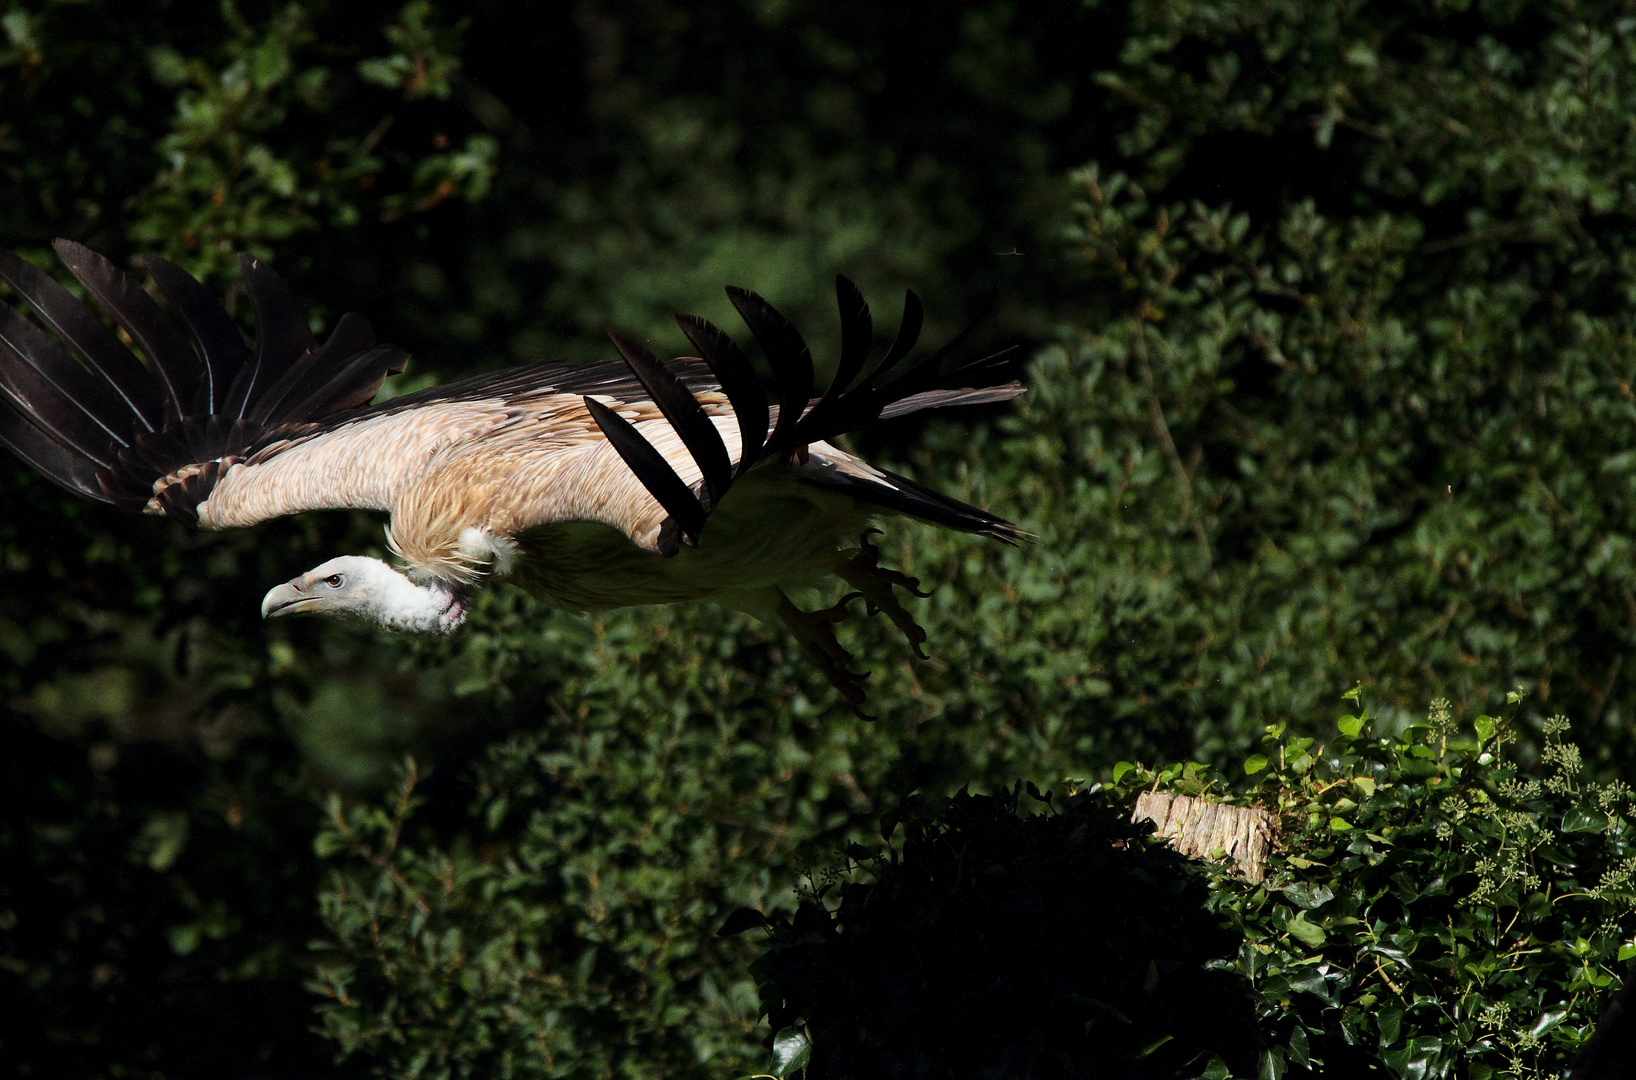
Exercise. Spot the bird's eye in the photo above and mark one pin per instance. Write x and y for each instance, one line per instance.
(333, 581)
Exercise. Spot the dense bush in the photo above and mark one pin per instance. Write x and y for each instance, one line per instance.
(1427, 911)
(1429, 905)
(1331, 354)
(993, 944)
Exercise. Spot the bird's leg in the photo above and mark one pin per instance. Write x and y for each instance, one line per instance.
(875, 583)
(815, 631)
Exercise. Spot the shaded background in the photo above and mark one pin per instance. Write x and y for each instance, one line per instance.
(1326, 311)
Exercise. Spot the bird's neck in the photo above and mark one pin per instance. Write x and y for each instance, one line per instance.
(400, 604)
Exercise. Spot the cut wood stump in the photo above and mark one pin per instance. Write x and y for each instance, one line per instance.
(1200, 829)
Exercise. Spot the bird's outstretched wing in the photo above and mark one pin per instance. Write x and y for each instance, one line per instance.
(215, 431)
(97, 421)
(286, 425)
(853, 399)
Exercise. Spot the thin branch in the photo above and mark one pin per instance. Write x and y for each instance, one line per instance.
(1602, 692)
(1161, 431)
(1506, 231)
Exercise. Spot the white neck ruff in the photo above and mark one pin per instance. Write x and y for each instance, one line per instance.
(400, 604)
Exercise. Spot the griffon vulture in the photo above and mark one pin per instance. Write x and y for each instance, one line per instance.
(596, 486)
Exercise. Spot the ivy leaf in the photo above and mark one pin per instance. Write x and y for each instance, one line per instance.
(1417, 1059)
(1390, 1021)
(1582, 819)
(1148, 1050)
(741, 920)
(889, 821)
(1309, 934)
(1547, 1021)
(1299, 1050)
(791, 1051)
(1308, 896)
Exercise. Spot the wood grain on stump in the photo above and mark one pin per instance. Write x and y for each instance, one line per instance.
(1203, 829)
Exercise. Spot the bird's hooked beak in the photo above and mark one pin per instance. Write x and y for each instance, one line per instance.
(290, 598)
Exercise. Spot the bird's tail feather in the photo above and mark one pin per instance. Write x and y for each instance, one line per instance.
(902, 495)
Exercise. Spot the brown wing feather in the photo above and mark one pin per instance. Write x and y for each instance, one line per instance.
(367, 459)
(551, 465)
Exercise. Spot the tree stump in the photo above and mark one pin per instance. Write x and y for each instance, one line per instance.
(1201, 829)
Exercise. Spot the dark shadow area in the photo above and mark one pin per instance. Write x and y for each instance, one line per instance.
(994, 943)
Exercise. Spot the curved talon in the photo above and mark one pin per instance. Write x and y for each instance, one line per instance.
(815, 631)
(875, 583)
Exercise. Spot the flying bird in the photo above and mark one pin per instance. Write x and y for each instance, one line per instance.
(631, 481)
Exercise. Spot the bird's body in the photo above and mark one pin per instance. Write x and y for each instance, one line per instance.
(589, 485)
(775, 534)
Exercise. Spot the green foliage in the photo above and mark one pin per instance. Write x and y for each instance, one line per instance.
(993, 943)
(151, 920)
(1327, 454)
(1330, 373)
(228, 188)
(1381, 400)
(1428, 909)
(570, 933)
(1428, 906)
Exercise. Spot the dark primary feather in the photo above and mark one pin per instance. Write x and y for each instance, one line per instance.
(351, 335)
(862, 404)
(28, 354)
(159, 338)
(789, 357)
(103, 425)
(221, 347)
(875, 393)
(93, 343)
(282, 335)
(926, 371)
(47, 456)
(847, 403)
(352, 387)
(738, 381)
(651, 468)
(685, 414)
(907, 497)
(857, 337)
(914, 317)
(44, 406)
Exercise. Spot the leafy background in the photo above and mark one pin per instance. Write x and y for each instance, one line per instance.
(1327, 312)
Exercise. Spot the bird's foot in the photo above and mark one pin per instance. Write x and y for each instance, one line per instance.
(815, 630)
(876, 584)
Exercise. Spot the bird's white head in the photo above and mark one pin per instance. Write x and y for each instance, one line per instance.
(368, 589)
